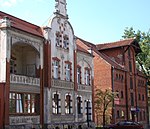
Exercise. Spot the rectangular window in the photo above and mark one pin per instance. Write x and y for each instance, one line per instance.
(87, 77)
(24, 103)
(130, 66)
(139, 97)
(56, 65)
(66, 42)
(132, 99)
(142, 97)
(122, 94)
(12, 66)
(68, 67)
(58, 38)
(129, 53)
(79, 75)
(131, 83)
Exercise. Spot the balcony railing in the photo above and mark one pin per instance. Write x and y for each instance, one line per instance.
(84, 88)
(20, 79)
(62, 84)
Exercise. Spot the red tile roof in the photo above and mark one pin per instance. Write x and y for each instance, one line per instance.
(22, 25)
(79, 48)
(102, 55)
(121, 43)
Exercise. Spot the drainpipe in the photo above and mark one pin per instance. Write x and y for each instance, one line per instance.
(126, 91)
(113, 111)
(147, 107)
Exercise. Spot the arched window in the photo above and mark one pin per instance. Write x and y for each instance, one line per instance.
(88, 107)
(68, 104)
(56, 103)
(79, 105)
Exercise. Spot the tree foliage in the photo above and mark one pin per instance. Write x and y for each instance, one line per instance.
(103, 100)
(143, 58)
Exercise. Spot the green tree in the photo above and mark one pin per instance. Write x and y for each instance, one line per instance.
(143, 58)
(103, 101)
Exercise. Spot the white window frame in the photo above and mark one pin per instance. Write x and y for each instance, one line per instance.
(87, 77)
(68, 72)
(79, 75)
(56, 69)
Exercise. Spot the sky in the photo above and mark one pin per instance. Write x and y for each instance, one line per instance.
(96, 21)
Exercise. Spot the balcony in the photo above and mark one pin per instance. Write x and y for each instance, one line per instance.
(25, 80)
(84, 88)
(62, 84)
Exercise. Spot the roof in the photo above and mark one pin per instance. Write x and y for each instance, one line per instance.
(79, 48)
(121, 43)
(140, 73)
(102, 55)
(86, 42)
(22, 25)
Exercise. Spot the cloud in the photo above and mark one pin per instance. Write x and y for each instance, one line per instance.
(9, 3)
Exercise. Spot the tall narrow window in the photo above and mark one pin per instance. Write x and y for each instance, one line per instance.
(132, 99)
(130, 66)
(12, 103)
(88, 110)
(27, 103)
(66, 42)
(142, 97)
(68, 104)
(79, 105)
(79, 75)
(58, 39)
(56, 103)
(129, 53)
(19, 103)
(131, 83)
(122, 94)
(87, 76)
(68, 67)
(56, 65)
(12, 66)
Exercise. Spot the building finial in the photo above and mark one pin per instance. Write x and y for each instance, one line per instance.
(60, 7)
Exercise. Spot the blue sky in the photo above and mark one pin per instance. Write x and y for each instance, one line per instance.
(96, 21)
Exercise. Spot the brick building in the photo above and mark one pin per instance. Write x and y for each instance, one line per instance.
(115, 68)
(45, 78)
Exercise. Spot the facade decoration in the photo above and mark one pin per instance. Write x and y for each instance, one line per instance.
(38, 74)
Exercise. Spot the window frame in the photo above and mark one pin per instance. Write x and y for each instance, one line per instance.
(27, 105)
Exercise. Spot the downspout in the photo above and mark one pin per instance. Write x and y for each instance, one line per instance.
(113, 104)
(126, 91)
(147, 106)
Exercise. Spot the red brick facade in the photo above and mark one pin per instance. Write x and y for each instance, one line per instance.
(115, 68)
